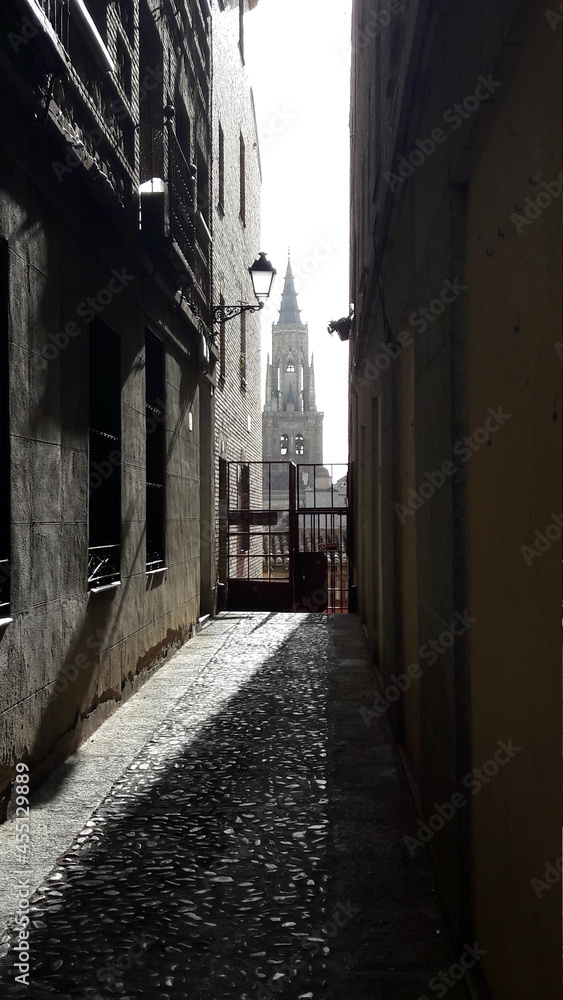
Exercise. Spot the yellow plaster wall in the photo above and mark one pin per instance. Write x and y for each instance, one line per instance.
(513, 488)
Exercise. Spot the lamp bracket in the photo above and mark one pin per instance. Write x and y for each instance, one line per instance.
(222, 314)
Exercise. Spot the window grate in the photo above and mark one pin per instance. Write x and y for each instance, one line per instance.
(104, 511)
(58, 13)
(5, 490)
(155, 451)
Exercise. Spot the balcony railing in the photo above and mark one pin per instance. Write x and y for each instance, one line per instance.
(181, 202)
(57, 13)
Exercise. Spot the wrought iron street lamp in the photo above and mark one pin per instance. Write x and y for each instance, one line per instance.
(262, 274)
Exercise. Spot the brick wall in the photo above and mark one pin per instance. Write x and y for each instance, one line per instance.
(236, 244)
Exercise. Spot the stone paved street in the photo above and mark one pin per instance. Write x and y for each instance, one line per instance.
(251, 848)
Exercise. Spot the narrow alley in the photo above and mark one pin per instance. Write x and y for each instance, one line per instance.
(235, 830)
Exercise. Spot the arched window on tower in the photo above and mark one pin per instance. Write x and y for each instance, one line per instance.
(290, 366)
(284, 444)
(299, 444)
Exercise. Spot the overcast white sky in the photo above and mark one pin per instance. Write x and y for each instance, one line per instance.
(297, 54)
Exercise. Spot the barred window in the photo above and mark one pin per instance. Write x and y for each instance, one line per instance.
(221, 200)
(104, 510)
(222, 346)
(155, 451)
(243, 350)
(242, 179)
(5, 500)
(284, 444)
(299, 444)
(241, 27)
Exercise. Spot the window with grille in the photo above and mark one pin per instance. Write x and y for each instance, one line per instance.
(104, 509)
(290, 366)
(222, 346)
(221, 168)
(5, 504)
(242, 179)
(244, 504)
(155, 451)
(284, 444)
(241, 27)
(151, 122)
(243, 350)
(299, 444)
(203, 199)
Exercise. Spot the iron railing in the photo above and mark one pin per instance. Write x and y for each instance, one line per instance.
(104, 565)
(259, 540)
(57, 13)
(181, 202)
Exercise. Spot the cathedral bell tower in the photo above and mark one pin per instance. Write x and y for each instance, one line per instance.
(292, 429)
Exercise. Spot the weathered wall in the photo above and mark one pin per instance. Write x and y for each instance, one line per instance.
(457, 314)
(53, 269)
(70, 656)
(514, 496)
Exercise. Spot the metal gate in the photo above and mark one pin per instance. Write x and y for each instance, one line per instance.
(286, 537)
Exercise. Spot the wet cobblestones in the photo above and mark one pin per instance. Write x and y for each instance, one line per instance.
(234, 857)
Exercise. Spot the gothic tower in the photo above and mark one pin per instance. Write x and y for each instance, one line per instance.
(292, 428)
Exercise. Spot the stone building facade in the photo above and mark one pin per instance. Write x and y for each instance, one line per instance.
(455, 414)
(292, 428)
(105, 358)
(236, 245)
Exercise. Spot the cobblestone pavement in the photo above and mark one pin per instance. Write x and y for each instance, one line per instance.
(253, 848)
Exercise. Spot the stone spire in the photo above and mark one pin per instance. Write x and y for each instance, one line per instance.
(292, 428)
(289, 311)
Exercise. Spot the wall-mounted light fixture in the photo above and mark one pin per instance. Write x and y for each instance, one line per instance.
(262, 274)
(342, 326)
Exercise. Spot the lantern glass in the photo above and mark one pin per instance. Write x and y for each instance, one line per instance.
(262, 274)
